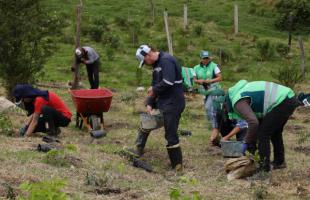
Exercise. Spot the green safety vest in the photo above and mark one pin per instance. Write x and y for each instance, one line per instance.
(206, 72)
(187, 75)
(264, 96)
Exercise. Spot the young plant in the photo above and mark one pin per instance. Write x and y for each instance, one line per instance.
(43, 190)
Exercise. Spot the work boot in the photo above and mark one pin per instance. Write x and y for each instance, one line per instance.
(278, 166)
(142, 138)
(136, 152)
(54, 132)
(175, 155)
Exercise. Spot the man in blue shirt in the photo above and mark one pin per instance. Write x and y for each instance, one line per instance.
(166, 94)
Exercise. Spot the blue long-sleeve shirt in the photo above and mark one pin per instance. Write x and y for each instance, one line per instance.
(167, 82)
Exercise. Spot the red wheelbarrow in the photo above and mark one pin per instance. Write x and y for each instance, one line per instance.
(90, 105)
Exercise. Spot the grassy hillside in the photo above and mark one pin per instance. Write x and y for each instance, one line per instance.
(210, 28)
(96, 169)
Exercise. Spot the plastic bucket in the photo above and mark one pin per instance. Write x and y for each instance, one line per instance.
(151, 122)
(231, 149)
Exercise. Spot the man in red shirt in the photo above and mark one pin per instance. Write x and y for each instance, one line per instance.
(47, 112)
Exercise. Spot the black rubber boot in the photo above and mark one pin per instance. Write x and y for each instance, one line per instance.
(138, 150)
(142, 138)
(175, 155)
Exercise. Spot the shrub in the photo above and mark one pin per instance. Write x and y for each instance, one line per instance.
(43, 190)
(121, 22)
(5, 125)
(198, 30)
(224, 54)
(282, 49)
(111, 41)
(56, 158)
(288, 76)
(97, 28)
(266, 49)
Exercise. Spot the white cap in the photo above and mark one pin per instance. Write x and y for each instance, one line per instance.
(142, 51)
(78, 52)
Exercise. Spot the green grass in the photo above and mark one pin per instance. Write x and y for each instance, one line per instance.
(215, 17)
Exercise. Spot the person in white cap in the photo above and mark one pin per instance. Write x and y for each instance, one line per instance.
(165, 94)
(90, 58)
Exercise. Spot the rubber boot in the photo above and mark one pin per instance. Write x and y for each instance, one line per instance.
(175, 156)
(138, 150)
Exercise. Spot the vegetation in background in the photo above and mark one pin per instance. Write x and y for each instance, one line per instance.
(288, 75)
(297, 10)
(26, 40)
(43, 190)
(6, 126)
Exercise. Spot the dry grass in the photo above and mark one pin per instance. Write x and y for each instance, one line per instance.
(116, 177)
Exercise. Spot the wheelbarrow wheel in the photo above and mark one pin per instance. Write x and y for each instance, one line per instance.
(95, 122)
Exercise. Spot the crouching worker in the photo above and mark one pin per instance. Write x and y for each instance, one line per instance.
(166, 94)
(266, 107)
(47, 112)
(228, 128)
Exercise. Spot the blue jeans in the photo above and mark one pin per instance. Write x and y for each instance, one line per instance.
(210, 111)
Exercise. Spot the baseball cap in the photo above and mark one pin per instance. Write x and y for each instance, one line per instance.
(142, 51)
(78, 51)
(204, 54)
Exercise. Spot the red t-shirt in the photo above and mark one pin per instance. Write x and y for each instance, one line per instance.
(53, 101)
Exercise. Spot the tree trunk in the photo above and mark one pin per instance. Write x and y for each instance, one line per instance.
(153, 12)
(75, 65)
(302, 57)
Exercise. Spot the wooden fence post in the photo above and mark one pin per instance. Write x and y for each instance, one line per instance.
(236, 19)
(153, 12)
(169, 41)
(75, 65)
(185, 18)
(302, 57)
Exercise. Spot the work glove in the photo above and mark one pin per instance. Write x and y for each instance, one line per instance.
(250, 147)
(244, 147)
(23, 130)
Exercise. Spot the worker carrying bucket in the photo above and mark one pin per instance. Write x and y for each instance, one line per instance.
(165, 94)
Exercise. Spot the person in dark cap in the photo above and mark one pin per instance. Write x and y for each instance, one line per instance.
(208, 76)
(166, 94)
(47, 112)
(90, 58)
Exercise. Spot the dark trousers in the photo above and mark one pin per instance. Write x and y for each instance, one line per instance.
(53, 118)
(270, 129)
(93, 74)
(171, 124)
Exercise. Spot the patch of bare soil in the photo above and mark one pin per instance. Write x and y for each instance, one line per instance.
(121, 125)
(214, 150)
(77, 162)
(306, 121)
(303, 149)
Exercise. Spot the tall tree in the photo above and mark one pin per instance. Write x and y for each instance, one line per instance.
(293, 14)
(26, 42)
